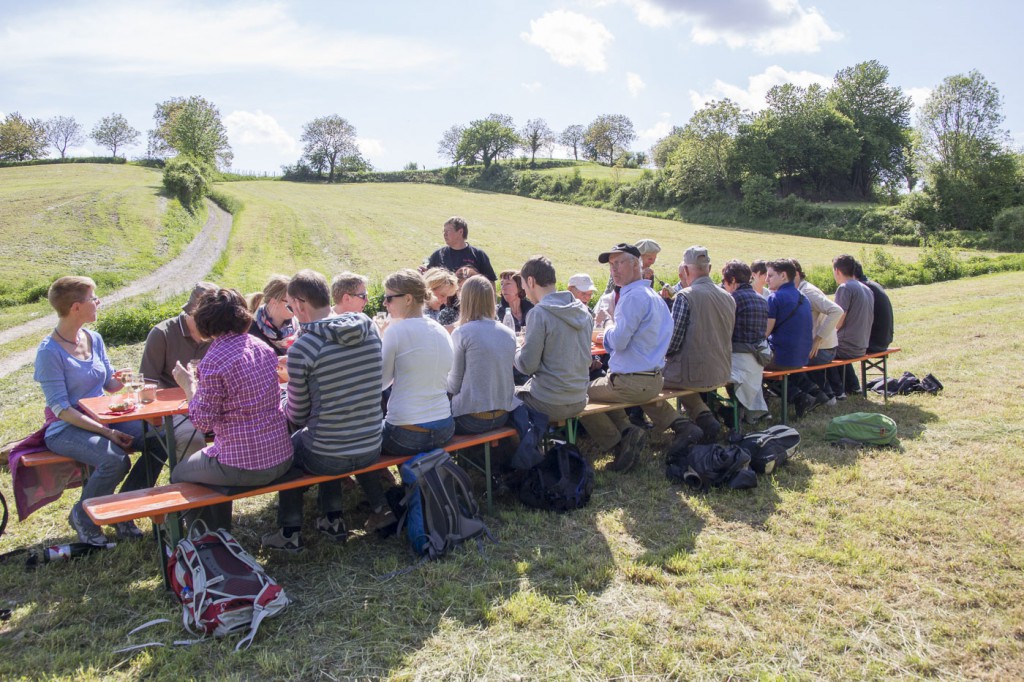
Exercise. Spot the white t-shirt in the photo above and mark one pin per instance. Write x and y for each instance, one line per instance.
(417, 358)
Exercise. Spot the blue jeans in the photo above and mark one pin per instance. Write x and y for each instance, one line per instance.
(108, 461)
(289, 508)
(822, 357)
(468, 424)
(405, 442)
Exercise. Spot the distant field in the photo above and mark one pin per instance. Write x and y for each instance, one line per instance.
(596, 171)
(377, 228)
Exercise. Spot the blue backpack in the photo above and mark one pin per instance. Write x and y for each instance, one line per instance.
(440, 510)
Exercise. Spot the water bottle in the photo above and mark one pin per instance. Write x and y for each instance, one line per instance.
(63, 552)
(508, 321)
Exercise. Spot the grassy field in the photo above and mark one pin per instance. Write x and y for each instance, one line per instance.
(594, 171)
(109, 221)
(375, 229)
(877, 564)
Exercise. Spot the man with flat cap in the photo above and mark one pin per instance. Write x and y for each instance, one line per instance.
(636, 346)
(699, 355)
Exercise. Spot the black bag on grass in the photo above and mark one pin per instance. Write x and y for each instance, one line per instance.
(770, 448)
(712, 465)
(563, 481)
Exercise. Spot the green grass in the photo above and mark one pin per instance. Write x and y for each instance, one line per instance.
(594, 171)
(876, 564)
(106, 221)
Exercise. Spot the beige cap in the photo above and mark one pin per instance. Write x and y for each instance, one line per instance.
(647, 246)
(582, 282)
(197, 293)
(697, 255)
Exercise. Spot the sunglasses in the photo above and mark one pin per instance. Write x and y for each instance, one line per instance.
(363, 296)
(389, 297)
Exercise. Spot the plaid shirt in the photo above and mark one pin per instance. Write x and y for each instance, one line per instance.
(680, 323)
(751, 315)
(238, 398)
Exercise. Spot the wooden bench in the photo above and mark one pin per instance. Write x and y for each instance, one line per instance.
(571, 425)
(870, 361)
(162, 504)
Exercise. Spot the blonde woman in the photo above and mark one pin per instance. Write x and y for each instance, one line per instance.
(480, 380)
(272, 320)
(442, 306)
(417, 354)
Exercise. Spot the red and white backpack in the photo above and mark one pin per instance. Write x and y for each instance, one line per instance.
(222, 588)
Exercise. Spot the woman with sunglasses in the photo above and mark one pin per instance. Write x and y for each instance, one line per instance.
(272, 320)
(417, 356)
(71, 364)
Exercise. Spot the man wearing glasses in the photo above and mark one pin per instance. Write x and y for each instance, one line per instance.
(349, 293)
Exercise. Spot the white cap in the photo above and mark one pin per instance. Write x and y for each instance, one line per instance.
(582, 282)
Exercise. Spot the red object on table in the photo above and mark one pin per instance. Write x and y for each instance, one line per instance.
(169, 402)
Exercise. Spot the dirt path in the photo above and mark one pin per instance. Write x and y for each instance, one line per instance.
(166, 281)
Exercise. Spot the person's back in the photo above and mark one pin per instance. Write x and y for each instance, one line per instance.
(480, 379)
(334, 371)
(705, 358)
(857, 302)
(882, 319)
(792, 335)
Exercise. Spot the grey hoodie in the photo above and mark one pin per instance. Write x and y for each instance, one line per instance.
(556, 351)
(334, 376)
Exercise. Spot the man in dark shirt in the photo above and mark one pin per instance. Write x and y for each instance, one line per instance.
(458, 253)
(882, 324)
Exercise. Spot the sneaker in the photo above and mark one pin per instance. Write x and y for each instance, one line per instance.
(627, 452)
(335, 529)
(127, 530)
(89, 534)
(841, 396)
(280, 540)
(379, 520)
(831, 402)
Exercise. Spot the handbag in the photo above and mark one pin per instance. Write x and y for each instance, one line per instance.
(763, 353)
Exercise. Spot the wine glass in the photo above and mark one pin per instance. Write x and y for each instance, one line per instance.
(135, 383)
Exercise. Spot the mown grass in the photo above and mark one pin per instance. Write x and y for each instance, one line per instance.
(594, 171)
(106, 221)
(377, 228)
(876, 564)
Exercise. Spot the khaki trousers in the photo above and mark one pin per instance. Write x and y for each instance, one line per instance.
(606, 428)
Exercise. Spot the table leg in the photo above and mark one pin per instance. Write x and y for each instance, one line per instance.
(785, 398)
(487, 478)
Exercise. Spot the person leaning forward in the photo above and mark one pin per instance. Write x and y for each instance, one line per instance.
(636, 347)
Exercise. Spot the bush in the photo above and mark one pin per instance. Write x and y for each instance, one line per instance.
(131, 324)
(187, 179)
(226, 202)
(1008, 229)
(758, 196)
(891, 223)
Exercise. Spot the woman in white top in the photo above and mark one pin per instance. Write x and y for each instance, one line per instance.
(480, 382)
(417, 358)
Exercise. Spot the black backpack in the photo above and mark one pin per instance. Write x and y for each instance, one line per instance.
(705, 466)
(770, 448)
(563, 481)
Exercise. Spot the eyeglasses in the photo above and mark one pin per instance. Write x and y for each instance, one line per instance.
(294, 298)
(92, 299)
(389, 297)
(363, 296)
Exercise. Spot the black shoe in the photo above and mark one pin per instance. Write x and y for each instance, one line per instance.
(627, 452)
(711, 427)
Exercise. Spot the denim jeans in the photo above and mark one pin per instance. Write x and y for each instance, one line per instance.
(289, 508)
(822, 357)
(467, 423)
(405, 442)
(109, 462)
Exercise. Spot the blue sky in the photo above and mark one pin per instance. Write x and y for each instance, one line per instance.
(403, 72)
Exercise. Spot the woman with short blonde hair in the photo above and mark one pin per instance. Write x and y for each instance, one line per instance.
(272, 320)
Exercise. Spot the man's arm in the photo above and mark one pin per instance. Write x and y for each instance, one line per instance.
(680, 323)
(484, 264)
(299, 403)
(528, 355)
(628, 316)
(154, 354)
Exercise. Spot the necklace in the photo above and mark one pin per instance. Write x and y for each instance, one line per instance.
(70, 343)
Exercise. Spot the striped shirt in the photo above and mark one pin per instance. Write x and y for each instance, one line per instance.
(238, 398)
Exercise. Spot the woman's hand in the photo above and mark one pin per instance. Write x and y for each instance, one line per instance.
(184, 379)
(119, 438)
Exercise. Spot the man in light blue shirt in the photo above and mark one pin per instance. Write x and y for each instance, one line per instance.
(636, 347)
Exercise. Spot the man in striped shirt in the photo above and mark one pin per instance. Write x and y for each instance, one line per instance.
(334, 379)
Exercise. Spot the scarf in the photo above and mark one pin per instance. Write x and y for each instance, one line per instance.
(277, 337)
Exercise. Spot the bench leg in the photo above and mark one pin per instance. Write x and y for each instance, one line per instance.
(571, 426)
(487, 478)
(785, 399)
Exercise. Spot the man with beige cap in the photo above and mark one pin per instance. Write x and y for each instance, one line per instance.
(699, 356)
(581, 286)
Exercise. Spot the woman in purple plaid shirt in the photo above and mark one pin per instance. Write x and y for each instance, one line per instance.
(235, 394)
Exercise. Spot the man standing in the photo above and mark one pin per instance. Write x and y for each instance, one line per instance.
(854, 329)
(334, 378)
(458, 253)
(699, 355)
(636, 347)
(348, 290)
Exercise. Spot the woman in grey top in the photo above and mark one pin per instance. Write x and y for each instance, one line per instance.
(480, 380)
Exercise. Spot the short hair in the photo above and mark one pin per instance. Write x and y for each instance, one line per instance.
(515, 277)
(541, 269)
(783, 265)
(222, 312)
(476, 302)
(275, 289)
(67, 291)
(346, 283)
(736, 271)
(311, 287)
(799, 268)
(845, 264)
(759, 267)
(409, 282)
(437, 277)
(460, 224)
(858, 272)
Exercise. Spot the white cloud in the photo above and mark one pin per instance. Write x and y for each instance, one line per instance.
(167, 39)
(635, 84)
(535, 86)
(369, 146)
(571, 39)
(258, 128)
(752, 97)
(918, 95)
(767, 26)
(662, 127)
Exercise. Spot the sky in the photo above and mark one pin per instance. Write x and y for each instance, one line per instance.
(403, 72)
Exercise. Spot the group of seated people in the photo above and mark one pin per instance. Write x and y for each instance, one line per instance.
(448, 356)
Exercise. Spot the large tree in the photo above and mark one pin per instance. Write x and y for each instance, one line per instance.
(698, 159)
(607, 137)
(114, 132)
(572, 138)
(63, 132)
(191, 126)
(328, 140)
(970, 172)
(881, 117)
(21, 139)
(448, 147)
(489, 139)
(536, 134)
